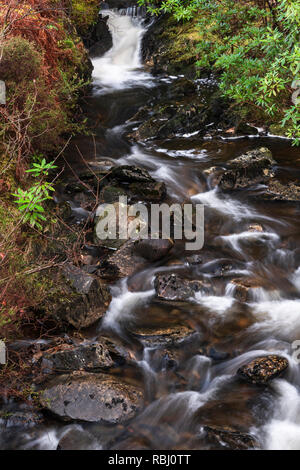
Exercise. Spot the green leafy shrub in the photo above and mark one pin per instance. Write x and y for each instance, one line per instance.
(254, 47)
(30, 201)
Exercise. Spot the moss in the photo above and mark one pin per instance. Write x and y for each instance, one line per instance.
(178, 46)
(84, 14)
(20, 61)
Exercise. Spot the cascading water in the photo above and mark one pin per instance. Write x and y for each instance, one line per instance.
(121, 65)
(186, 384)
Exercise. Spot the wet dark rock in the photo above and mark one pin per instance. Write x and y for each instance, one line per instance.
(118, 4)
(220, 267)
(244, 287)
(173, 287)
(101, 354)
(251, 168)
(77, 297)
(263, 369)
(153, 250)
(152, 192)
(99, 39)
(245, 129)
(130, 174)
(277, 191)
(134, 182)
(229, 438)
(110, 194)
(182, 87)
(91, 397)
(173, 118)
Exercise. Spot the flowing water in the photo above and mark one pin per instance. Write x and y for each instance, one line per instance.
(203, 390)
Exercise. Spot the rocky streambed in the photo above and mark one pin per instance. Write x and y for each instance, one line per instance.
(155, 346)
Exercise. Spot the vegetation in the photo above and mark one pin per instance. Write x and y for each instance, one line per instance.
(254, 47)
(45, 68)
(84, 14)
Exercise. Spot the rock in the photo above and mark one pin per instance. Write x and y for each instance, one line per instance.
(124, 262)
(110, 194)
(255, 228)
(100, 354)
(91, 397)
(182, 87)
(244, 287)
(276, 191)
(151, 192)
(173, 336)
(227, 437)
(170, 119)
(263, 369)
(153, 250)
(77, 438)
(108, 231)
(77, 297)
(99, 40)
(173, 287)
(245, 129)
(130, 174)
(251, 168)
(194, 259)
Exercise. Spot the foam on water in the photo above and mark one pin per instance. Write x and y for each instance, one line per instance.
(215, 303)
(278, 317)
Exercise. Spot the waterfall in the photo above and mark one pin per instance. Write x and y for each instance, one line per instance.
(121, 65)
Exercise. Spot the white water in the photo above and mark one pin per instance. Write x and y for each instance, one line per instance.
(122, 306)
(283, 431)
(120, 66)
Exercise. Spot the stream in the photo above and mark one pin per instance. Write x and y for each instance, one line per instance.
(203, 390)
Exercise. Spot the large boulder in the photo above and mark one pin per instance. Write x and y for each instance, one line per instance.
(76, 297)
(91, 397)
(263, 369)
